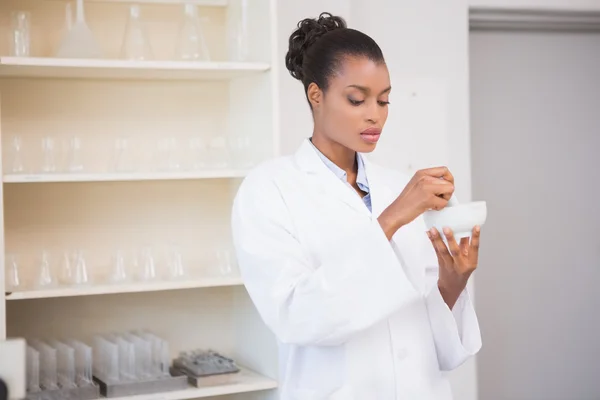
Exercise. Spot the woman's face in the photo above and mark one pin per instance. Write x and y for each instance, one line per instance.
(353, 110)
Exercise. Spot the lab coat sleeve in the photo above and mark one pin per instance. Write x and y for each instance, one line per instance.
(356, 285)
(456, 332)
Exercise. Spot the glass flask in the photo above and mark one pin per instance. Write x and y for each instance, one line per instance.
(20, 43)
(238, 40)
(191, 45)
(136, 46)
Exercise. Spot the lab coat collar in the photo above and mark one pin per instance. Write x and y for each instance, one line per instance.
(309, 161)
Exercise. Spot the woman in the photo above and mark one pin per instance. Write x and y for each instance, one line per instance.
(333, 249)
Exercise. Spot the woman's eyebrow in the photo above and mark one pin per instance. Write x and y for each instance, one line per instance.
(367, 90)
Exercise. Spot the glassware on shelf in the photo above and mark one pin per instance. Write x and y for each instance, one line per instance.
(160, 357)
(49, 155)
(218, 153)
(175, 264)
(32, 365)
(20, 41)
(17, 155)
(241, 152)
(168, 155)
(225, 259)
(130, 357)
(78, 40)
(83, 363)
(66, 269)
(106, 359)
(75, 163)
(13, 277)
(136, 46)
(238, 40)
(45, 277)
(123, 157)
(191, 44)
(119, 271)
(148, 265)
(198, 153)
(126, 357)
(143, 356)
(80, 272)
(65, 365)
(48, 365)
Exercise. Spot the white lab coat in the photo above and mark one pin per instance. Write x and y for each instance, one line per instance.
(357, 317)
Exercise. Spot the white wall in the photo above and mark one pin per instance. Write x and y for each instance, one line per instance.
(574, 5)
(295, 118)
(425, 45)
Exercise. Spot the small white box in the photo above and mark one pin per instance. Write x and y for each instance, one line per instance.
(12, 367)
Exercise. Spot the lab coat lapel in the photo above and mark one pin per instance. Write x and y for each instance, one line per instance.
(328, 184)
(406, 241)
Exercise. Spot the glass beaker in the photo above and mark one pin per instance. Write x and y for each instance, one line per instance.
(20, 38)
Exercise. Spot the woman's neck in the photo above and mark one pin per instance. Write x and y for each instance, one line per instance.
(341, 156)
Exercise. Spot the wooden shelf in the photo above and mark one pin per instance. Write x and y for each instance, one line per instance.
(102, 210)
(36, 67)
(124, 177)
(245, 381)
(137, 287)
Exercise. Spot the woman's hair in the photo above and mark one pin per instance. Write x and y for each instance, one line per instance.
(318, 47)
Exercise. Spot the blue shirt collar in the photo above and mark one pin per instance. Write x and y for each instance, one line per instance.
(361, 176)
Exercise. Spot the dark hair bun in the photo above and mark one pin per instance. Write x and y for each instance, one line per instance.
(308, 32)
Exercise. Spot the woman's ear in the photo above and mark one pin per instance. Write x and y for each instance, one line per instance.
(315, 95)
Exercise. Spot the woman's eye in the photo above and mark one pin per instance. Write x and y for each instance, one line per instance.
(355, 102)
(383, 103)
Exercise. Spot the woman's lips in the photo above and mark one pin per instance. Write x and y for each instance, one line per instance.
(371, 135)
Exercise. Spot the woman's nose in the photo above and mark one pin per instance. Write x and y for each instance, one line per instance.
(374, 113)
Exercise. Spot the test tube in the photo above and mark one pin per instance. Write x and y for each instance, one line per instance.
(33, 370)
(83, 363)
(65, 364)
(143, 355)
(48, 365)
(106, 359)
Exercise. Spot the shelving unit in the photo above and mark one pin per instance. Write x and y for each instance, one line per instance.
(205, 3)
(246, 382)
(124, 177)
(37, 67)
(63, 123)
(208, 282)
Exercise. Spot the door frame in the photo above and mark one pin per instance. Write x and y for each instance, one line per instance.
(500, 19)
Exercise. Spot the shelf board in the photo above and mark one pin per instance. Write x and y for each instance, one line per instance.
(136, 287)
(124, 177)
(245, 381)
(65, 68)
(205, 3)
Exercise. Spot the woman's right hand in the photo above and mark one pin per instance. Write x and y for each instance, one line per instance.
(429, 189)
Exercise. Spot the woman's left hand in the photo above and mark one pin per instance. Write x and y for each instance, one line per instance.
(456, 262)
